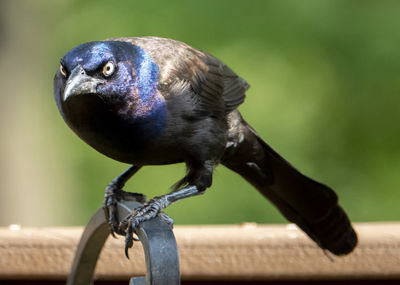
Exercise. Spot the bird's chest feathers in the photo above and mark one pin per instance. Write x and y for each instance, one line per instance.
(120, 136)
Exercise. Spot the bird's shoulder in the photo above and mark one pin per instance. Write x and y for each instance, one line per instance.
(216, 89)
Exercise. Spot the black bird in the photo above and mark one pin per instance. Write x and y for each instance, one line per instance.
(155, 101)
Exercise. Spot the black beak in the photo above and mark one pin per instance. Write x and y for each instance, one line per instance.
(80, 83)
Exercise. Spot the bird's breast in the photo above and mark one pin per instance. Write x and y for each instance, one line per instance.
(125, 136)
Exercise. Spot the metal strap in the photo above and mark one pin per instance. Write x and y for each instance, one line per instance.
(158, 241)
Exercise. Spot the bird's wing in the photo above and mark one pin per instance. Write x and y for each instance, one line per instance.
(220, 75)
(217, 90)
(234, 89)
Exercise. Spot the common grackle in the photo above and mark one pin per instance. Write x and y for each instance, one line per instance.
(155, 101)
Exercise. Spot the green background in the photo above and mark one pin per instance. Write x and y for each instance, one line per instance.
(325, 82)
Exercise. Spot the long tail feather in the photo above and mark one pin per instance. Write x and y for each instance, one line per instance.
(309, 204)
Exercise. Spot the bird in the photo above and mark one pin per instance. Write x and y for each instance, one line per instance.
(158, 101)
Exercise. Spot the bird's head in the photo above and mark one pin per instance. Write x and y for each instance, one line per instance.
(114, 71)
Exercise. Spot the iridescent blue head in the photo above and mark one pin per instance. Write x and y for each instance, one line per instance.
(121, 74)
(114, 70)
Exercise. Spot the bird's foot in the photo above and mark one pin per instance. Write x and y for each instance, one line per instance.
(112, 196)
(149, 210)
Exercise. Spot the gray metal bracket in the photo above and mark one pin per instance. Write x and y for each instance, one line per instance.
(158, 241)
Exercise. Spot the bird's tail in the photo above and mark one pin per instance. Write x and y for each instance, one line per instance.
(309, 204)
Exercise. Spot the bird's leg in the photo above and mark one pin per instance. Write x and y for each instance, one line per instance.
(115, 193)
(153, 208)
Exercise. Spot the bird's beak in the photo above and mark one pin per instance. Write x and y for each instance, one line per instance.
(80, 83)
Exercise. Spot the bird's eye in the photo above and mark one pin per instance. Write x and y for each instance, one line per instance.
(63, 70)
(108, 68)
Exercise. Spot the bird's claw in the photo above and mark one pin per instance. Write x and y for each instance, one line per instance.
(149, 210)
(112, 196)
(129, 239)
(110, 212)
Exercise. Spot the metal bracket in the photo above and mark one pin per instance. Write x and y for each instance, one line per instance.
(158, 241)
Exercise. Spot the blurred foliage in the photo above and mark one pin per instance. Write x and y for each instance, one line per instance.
(325, 82)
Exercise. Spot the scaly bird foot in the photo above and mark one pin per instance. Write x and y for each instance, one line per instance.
(149, 210)
(112, 196)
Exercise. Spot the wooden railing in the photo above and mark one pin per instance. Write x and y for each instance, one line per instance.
(224, 252)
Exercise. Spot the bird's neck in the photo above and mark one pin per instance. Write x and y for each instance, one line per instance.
(139, 98)
(147, 114)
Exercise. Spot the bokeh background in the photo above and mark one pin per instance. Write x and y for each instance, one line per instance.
(325, 93)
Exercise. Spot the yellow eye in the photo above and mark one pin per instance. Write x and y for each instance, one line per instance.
(63, 71)
(108, 68)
